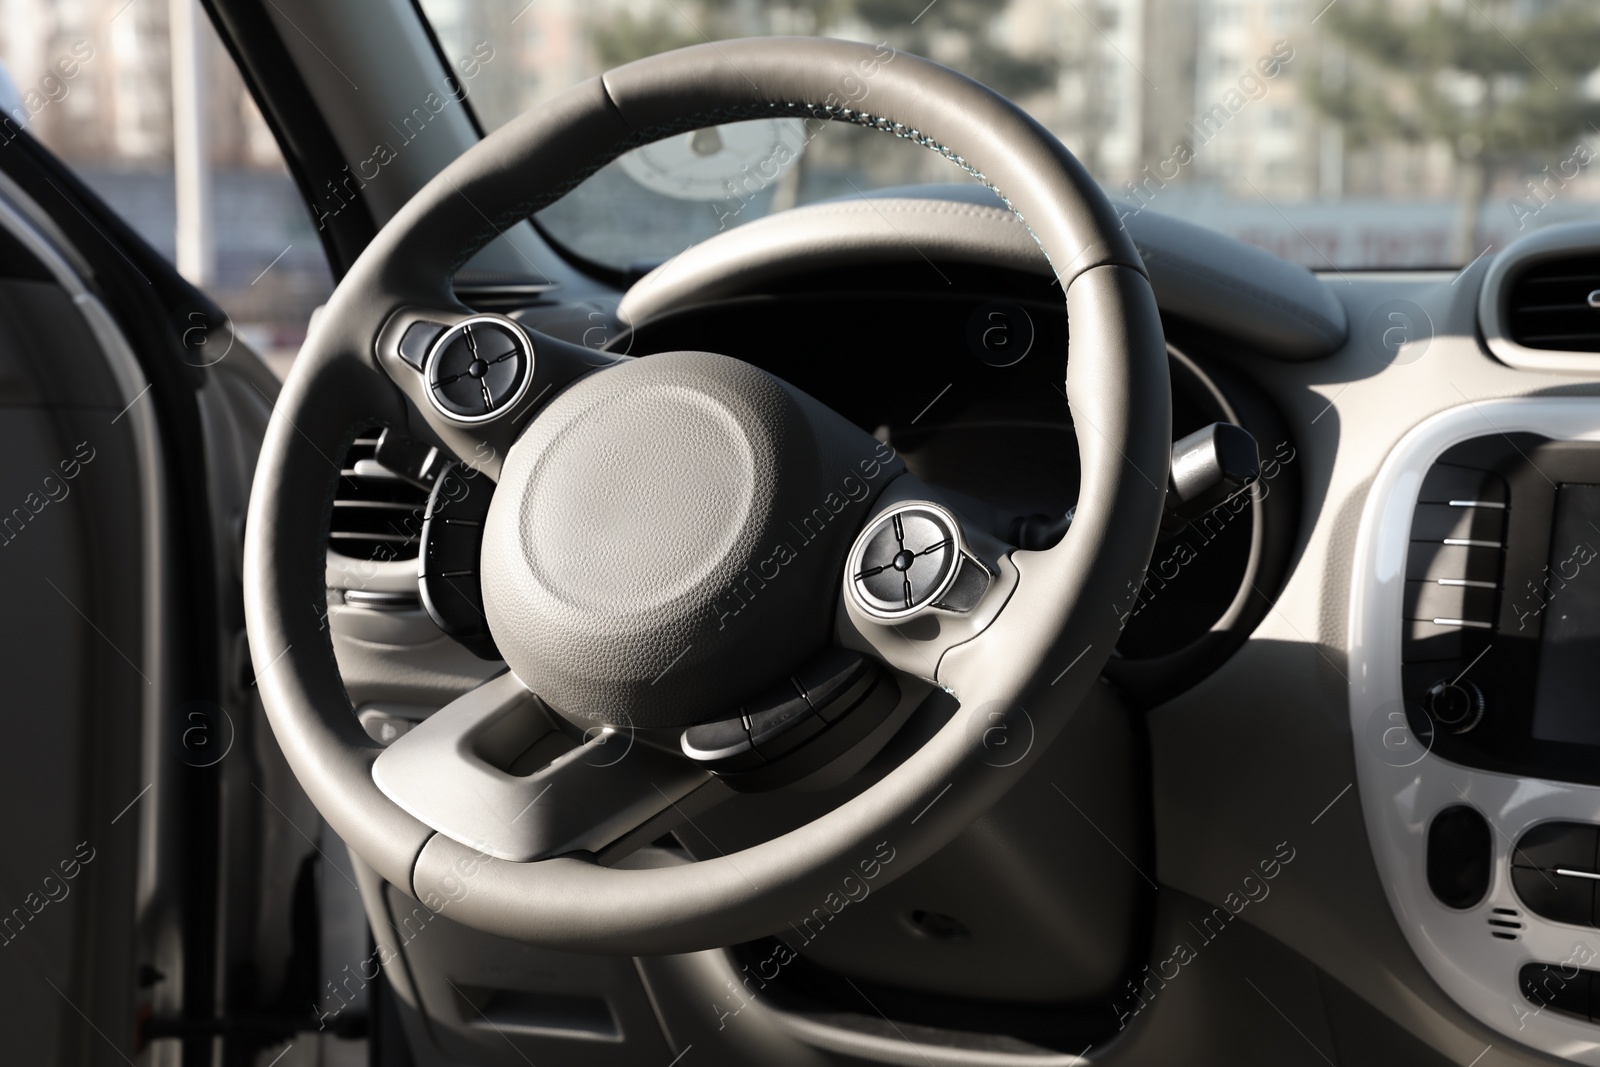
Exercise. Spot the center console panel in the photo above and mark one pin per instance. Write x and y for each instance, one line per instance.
(1501, 637)
(1474, 680)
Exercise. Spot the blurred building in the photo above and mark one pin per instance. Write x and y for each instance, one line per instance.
(1160, 93)
(111, 119)
(1202, 108)
(1106, 89)
(538, 48)
(116, 111)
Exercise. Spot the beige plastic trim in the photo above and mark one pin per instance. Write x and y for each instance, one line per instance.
(1535, 248)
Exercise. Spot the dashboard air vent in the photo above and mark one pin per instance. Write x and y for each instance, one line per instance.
(1555, 304)
(377, 515)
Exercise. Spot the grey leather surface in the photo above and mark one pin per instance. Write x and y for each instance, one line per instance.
(1274, 307)
(1120, 398)
(663, 535)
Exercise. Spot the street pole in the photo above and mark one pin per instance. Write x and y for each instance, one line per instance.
(196, 251)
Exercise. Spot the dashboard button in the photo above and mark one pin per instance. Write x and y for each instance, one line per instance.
(462, 395)
(447, 561)
(384, 728)
(416, 341)
(1429, 641)
(1435, 522)
(1457, 705)
(1460, 856)
(491, 343)
(1558, 844)
(1551, 845)
(1557, 897)
(478, 367)
(1446, 482)
(1430, 600)
(1558, 987)
(1428, 561)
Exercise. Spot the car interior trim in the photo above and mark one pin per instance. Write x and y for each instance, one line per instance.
(1401, 791)
(158, 822)
(1199, 274)
(1574, 239)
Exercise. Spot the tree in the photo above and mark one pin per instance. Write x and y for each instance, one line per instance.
(1499, 82)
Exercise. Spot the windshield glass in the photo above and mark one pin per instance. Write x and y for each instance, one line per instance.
(1350, 135)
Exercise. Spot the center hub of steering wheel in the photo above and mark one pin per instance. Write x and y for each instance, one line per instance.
(661, 537)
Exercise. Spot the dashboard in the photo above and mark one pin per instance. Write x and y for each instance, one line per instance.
(1408, 607)
(991, 427)
(1375, 661)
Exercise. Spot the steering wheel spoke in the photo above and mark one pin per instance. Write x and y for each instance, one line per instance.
(920, 581)
(477, 378)
(495, 771)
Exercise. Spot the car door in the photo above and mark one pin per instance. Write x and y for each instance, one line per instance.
(164, 895)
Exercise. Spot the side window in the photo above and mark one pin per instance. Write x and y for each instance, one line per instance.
(93, 80)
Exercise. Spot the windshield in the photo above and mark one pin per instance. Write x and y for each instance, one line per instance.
(1342, 135)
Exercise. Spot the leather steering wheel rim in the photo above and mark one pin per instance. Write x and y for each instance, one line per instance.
(1036, 660)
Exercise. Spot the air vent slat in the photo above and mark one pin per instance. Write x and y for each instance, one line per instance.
(376, 515)
(1548, 306)
(344, 535)
(398, 505)
(1559, 279)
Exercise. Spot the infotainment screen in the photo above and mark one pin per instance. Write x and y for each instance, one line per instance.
(1567, 600)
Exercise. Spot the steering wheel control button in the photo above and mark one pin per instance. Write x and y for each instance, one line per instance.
(906, 560)
(725, 743)
(781, 721)
(416, 341)
(910, 558)
(408, 458)
(449, 561)
(383, 727)
(477, 368)
(835, 682)
(790, 715)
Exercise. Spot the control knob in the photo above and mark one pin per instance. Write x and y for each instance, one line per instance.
(1456, 705)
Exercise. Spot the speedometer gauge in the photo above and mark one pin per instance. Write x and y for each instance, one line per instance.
(713, 163)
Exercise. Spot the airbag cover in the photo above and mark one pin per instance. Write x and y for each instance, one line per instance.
(667, 536)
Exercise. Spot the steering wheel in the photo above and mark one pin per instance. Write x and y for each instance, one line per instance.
(702, 580)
